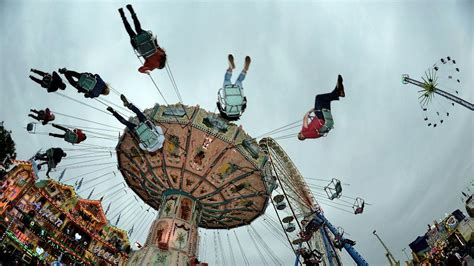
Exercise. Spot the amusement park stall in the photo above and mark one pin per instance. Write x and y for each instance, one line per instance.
(47, 221)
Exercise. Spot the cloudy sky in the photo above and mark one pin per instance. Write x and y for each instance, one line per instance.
(411, 174)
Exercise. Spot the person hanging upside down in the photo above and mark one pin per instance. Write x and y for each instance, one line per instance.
(75, 136)
(44, 116)
(50, 82)
(91, 85)
(322, 123)
(231, 100)
(151, 137)
(144, 43)
(311, 227)
(52, 157)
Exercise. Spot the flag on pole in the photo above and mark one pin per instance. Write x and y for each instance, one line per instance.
(80, 184)
(118, 219)
(62, 175)
(108, 208)
(90, 195)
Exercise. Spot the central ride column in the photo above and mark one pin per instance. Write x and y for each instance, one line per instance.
(173, 235)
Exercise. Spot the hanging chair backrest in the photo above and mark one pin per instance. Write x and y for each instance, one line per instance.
(87, 82)
(71, 137)
(47, 80)
(338, 187)
(328, 121)
(145, 44)
(50, 156)
(146, 135)
(232, 99)
(30, 127)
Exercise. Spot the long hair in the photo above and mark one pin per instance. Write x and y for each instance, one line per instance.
(106, 89)
(163, 58)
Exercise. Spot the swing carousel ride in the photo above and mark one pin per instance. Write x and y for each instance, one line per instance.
(211, 177)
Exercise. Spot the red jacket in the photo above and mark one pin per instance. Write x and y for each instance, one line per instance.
(312, 131)
(48, 115)
(152, 62)
(80, 135)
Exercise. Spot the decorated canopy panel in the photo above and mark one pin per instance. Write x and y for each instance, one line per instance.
(204, 156)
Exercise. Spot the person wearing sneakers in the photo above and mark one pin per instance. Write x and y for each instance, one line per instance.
(144, 43)
(51, 82)
(75, 136)
(91, 85)
(231, 100)
(151, 137)
(321, 122)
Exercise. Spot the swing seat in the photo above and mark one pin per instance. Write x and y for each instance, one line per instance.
(87, 82)
(145, 44)
(149, 136)
(333, 189)
(328, 121)
(231, 100)
(31, 127)
(71, 137)
(47, 81)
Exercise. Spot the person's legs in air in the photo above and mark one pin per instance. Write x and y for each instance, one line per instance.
(324, 100)
(133, 108)
(37, 80)
(59, 127)
(131, 126)
(140, 115)
(39, 72)
(41, 164)
(42, 157)
(61, 136)
(228, 73)
(34, 117)
(242, 75)
(136, 22)
(71, 76)
(34, 111)
(128, 28)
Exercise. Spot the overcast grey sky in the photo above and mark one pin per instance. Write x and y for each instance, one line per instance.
(411, 174)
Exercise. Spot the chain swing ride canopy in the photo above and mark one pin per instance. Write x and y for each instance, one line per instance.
(205, 158)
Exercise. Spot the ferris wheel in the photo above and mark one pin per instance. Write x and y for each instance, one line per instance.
(441, 88)
(296, 208)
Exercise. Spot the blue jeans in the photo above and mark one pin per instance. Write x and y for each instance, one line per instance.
(238, 82)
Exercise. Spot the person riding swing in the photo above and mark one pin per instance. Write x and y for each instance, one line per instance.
(75, 136)
(51, 82)
(321, 121)
(43, 116)
(52, 157)
(144, 43)
(90, 84)
(150, 136)
(231, 100)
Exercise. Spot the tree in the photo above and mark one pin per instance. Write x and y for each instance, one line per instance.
(7, 147)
